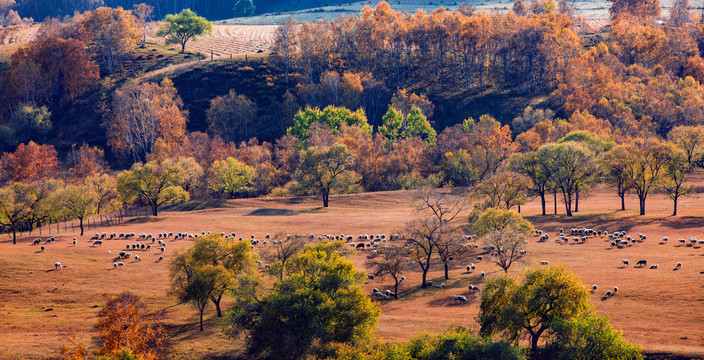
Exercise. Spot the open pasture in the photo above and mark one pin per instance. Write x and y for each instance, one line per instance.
(659, 308)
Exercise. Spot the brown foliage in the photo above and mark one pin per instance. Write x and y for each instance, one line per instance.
(30, 162)
(124, 323)
(86, 161)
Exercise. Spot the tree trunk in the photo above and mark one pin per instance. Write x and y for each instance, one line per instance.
(542, 201)
(155, 207)
(642, 204)
(623, 201)
(217, 307)
(183, 50)
(576, 202)
(674, 211)
(519, 208)
(447, 269)
(80, 221)
(14, 236)
(425, 276)
(396, 290)
(554, 194)
(201, 320)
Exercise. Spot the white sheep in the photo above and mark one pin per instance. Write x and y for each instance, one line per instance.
(625, 262)
(654, 266)
(608, 293)
(137, 258)
(58, 265)
(96, 242)
(544, 262)
(678, 266)
(460, 298)
(594, 288)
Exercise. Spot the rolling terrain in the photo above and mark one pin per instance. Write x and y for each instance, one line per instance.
(661, 309)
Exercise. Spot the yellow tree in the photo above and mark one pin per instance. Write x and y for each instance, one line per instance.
(78, 202)
(647, 161)
(691, 140)
(155, 183)
(143, 113)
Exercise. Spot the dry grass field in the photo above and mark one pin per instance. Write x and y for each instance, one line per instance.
(661, 309)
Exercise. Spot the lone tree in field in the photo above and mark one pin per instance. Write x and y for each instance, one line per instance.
(78, 202)
(392, 261)
(179, 29)
(536, 166)
(546, 295)
(676, 173)
(155, 183)
(325, 170)
(318, 302)
(647, 162)
(505, 231)
(613, 171)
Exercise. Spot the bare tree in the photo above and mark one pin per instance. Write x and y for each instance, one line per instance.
(443, 205)
(422, 236)
(505, 247)
(285, 246)
(392, 261)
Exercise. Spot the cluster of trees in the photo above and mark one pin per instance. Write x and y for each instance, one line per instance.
(214, 9)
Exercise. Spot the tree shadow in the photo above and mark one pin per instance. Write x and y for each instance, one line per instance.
(273, 212)
(143, 220)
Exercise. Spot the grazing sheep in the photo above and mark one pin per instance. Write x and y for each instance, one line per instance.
(160, 258)
(469, 268)
(642, 263)
(381, 296)
(608, 293)
(625, 262)
(137, 258)
(482, 274)
(440, 286)
(460, 298)
(42, 247)
(370, 276)
(120, 264)
(615, 289)
(480, 258)
(678, 266)
(428, 283)
(390, 293)
(149, 246)
(359, 246)
(654, 266)
(544, 262)
(664, 239)
(75, 241)
(594, 288)
(58, 265)
(114, 265)
(98, 242)
(473, 288)
(162, 249)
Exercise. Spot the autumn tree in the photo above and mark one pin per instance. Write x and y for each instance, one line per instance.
(506, 190)
(676, 172)
(85, 161)
(422, 235)
(155, 183)
(285, 247)
(143, 113)
(105, 188)
(231, 177)
(505, 247)
(186, 26)
(643, 9)
(283, 50)
(144, 14)
(404, 102)
(459, 168)
(124, 324)
(491, 144)
(545, 295)
(20, 204)
(647, 161)
(78, 202)
(680, 13)
(325, 171)
(109, 34)
(231, 116)
(573, 165)
(691, 140)
(30, 162)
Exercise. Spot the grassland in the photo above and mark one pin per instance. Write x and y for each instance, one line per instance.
(660, 309)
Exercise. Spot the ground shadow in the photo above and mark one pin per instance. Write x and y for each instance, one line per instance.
(143, 220)
(272, 212)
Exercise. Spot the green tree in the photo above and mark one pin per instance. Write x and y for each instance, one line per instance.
(573, 166)
(155, 183)
(536, 166)
(78, 202)
(325, 171)
(105, 188)
(647, 160)
(198, 284)
(244, 8)
(319, 301)
(691, 140)
(415, 124)
(589, 337)
(231, 262)
(179, 29)
(231, 177)
(29, 121)
(613, 171)
(545, 295)
(20, 205)
(332, 117)
(676, 173)
(458, 168)
(502, 220)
